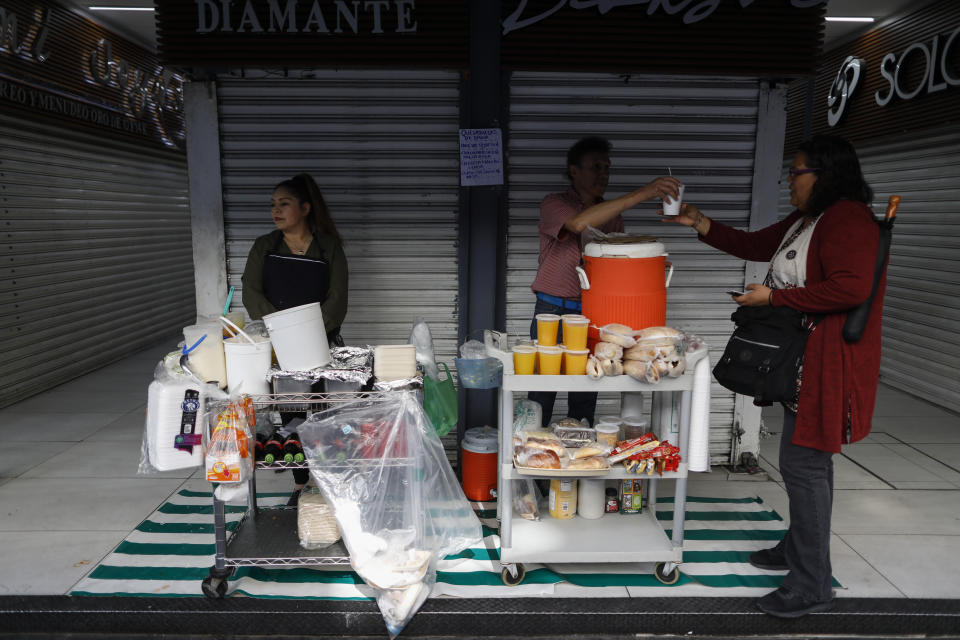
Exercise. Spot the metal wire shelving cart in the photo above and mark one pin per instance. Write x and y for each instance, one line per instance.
(267, 536)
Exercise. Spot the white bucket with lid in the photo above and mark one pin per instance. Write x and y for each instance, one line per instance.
(299, 337)
(591, 498)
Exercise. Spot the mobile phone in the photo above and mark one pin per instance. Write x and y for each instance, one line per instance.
(735, 293)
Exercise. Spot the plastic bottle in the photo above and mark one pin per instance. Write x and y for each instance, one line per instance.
(258, 452)
(273, 448)
(292, 450)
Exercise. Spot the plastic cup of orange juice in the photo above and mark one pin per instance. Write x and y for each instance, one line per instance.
(551, 358)
(575, 331)
(575, 361)
(547, 326)
(524, 359)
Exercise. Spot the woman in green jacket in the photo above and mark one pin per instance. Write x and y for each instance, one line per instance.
(300, 262)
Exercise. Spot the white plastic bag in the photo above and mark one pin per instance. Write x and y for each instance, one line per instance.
(422, 339)
(381, 466)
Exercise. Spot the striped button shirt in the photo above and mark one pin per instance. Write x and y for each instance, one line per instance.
(559, 249)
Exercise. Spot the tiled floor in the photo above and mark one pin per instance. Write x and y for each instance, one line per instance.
(69, 489)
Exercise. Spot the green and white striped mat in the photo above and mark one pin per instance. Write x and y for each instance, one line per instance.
(171, 552)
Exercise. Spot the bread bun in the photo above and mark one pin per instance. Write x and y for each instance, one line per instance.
(619, 334)
(654, 333)
(636, 369)
(608, 351)
(596, 462)
(594, 372)
(537, 459)
(590, 450)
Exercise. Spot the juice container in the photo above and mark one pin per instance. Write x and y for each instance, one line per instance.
(547, 326)
(575, 331)
(563, 498)
(524, 359)
(550, 359)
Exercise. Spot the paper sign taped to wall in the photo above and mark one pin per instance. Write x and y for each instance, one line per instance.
(481, 157)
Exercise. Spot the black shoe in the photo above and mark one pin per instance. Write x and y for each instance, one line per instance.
(770, 559)
(784, 603)
(294, 498)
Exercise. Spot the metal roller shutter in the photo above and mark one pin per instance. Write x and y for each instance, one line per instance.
(383, 147)
(921, 312)
(98, 261)
(703, 129)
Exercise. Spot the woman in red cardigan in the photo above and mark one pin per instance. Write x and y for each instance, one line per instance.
(821, 262)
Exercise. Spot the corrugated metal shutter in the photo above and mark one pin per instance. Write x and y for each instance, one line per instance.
(97, 255)
(703, 129)
(383, 147)
(921, 312)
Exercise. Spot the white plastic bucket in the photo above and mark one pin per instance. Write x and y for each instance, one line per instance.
(247, 365)
(299, 337)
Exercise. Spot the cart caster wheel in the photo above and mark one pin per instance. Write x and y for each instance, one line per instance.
(509, 579)
(214, 588)
(667, 578)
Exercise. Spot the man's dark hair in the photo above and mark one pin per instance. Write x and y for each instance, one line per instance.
(590, 144)
(838, 173)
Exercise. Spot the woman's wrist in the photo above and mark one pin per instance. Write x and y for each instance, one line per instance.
(698, 225)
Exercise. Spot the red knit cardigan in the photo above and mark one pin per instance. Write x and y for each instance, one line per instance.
(839, 385)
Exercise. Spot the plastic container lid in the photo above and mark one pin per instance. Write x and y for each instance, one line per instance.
(625, 250)
(633, 421)
(480, 440)
(607, 427)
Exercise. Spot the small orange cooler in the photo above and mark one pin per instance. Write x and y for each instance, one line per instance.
(479, 463)
(624, 282)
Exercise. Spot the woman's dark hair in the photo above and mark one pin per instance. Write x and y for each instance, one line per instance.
(838, 173)
(590, 144)
(304, 189)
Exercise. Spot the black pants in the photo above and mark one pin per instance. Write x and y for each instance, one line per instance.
(808, 477)
(580, 404)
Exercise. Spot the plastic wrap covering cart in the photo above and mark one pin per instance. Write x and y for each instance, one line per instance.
(398, 504)
(613, 538)
(267, 537)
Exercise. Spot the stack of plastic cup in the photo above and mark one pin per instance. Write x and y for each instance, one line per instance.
(524, 359)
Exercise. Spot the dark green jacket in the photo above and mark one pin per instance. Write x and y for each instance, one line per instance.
(323, 247)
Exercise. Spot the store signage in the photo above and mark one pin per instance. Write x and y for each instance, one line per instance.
(29, 42)
(842, 88)
(144, 93)
(692, 10)
(291, 16)
(936, 75)
(933, 60)
(55, 62)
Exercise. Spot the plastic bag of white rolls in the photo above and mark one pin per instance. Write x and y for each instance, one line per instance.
(382, 468)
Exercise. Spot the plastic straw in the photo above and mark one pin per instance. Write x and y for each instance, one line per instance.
(226, 307)
(669, 170)
(195, 345)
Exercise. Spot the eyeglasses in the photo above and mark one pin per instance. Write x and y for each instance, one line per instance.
(799, 172)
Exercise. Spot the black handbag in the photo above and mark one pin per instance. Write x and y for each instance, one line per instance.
(764, 355)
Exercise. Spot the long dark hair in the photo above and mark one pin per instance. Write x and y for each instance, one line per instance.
(305, 189)
(838, 173)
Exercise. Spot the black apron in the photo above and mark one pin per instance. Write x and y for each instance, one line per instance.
(291, 281)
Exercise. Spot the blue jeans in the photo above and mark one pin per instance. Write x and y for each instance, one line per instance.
(808, 477)
(580, 404)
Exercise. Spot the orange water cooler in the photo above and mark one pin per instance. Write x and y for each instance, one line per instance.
(625, 282)
(479, 463)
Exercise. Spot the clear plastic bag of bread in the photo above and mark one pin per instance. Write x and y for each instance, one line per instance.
(619, 334)
(394, 495)
(573, 433)
(229, 457)
(526, 499)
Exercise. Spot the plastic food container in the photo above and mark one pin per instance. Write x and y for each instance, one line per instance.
(608, 432)
(575, 436)
(633, 426)
(563, 498)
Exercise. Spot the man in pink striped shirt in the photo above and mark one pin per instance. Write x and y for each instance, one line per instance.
(564, 217)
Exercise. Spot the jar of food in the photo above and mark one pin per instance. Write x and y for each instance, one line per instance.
(633, 427)
(608, 432)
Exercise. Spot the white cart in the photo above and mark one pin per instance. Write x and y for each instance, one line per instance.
(614, 537)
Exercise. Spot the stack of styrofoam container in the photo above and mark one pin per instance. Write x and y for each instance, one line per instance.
(394, 361)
